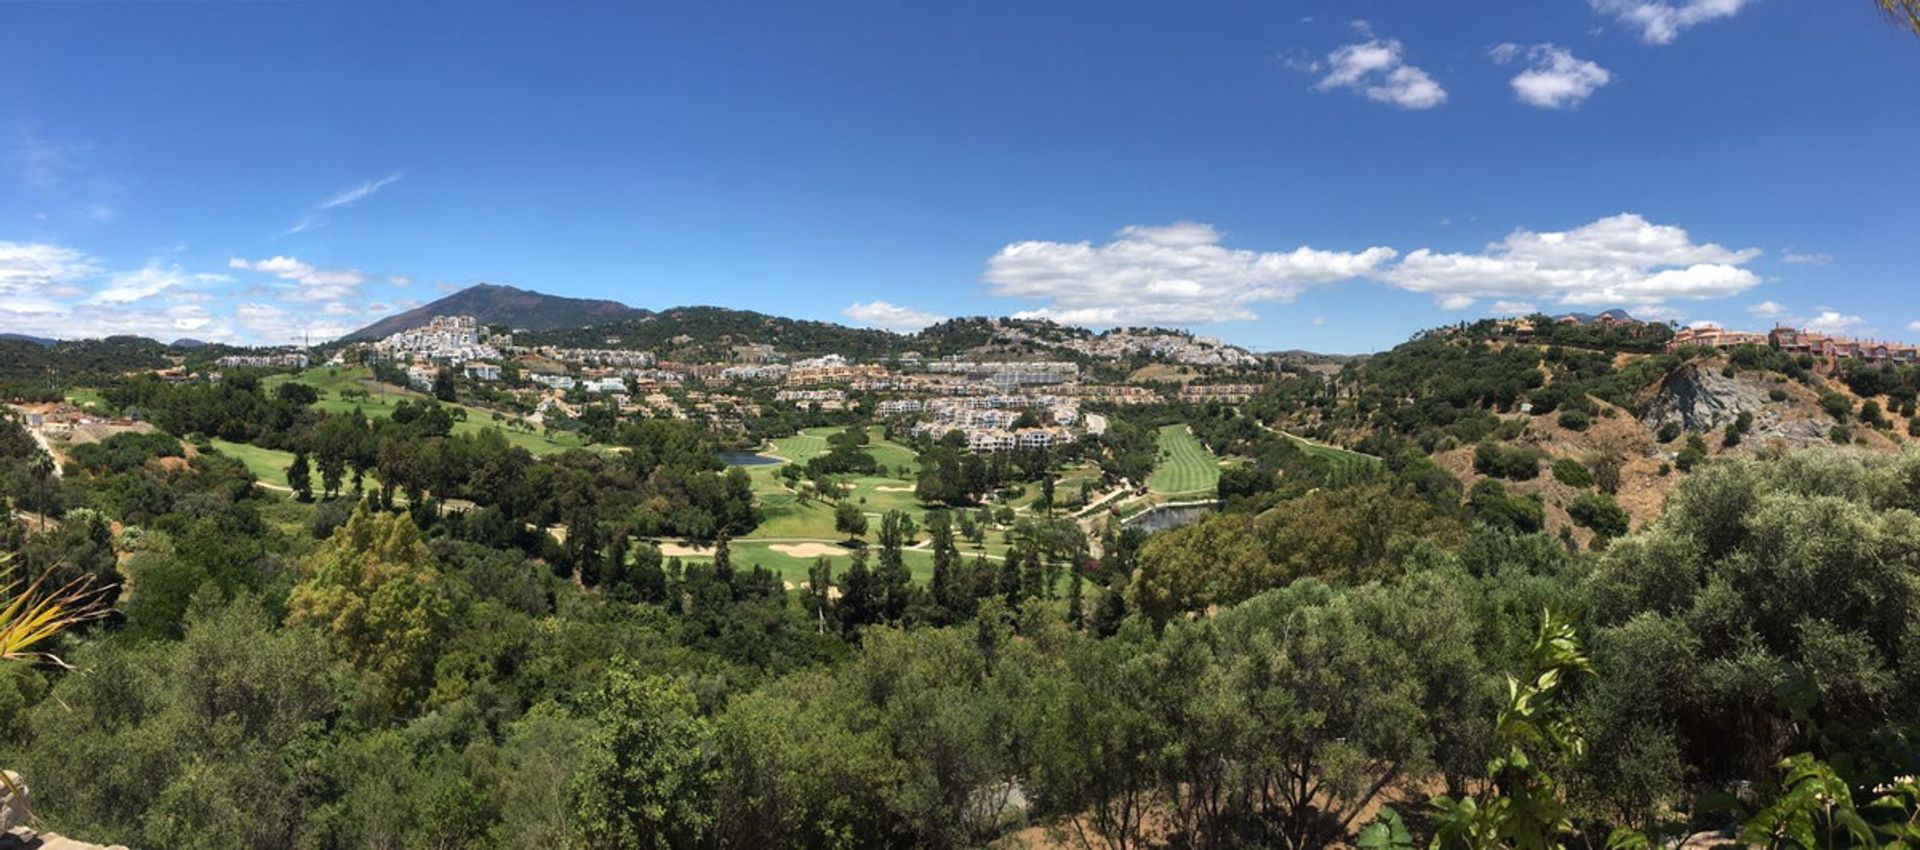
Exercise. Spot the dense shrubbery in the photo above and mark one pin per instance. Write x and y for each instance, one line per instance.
(321, 676)
(1512, 462)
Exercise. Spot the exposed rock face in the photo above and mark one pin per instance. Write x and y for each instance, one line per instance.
(16, 835)
(1702, 399)
(14, 800)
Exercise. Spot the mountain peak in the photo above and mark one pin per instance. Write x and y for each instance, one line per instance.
(499, 304)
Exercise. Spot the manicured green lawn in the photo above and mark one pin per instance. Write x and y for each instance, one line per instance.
(1341, 459)
(84, 397)
(270, 466)
(330, 380)
(747, 554)
(1185, 466)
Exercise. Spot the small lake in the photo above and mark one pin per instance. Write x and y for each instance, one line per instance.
(1164, 517)
(743, 458)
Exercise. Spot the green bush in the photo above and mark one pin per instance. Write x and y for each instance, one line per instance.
(1688, 458)
(1836, 406)
(1600, 513)
(1572, 473)
(1514, 463)
(1669, 431)
(1777, 394)
(1575, 420)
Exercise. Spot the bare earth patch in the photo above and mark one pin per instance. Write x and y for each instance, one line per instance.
(807, 550)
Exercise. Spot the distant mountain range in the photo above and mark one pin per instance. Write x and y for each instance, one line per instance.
(1616, 314)
(36, 340)
(516, 308)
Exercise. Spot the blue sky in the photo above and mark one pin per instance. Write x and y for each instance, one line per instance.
(1322, 175)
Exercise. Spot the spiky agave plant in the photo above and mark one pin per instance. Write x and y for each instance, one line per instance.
(32, 613)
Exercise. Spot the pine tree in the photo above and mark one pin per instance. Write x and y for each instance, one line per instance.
(723, 562)
(1076, 614)
(1010, 578)
(1034, 579)
(857, 593)
(820, 589)
(300, 476)
(891, 579)
(946, 560)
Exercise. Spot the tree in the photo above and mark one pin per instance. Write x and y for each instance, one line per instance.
(1601, 513)
(891, 578)
(859, 602)
(373, 591)
(300, 475)
(645, 777)
(848, 519)
(443, 384)
(1522, 805)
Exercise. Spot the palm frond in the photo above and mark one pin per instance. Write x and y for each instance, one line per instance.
(1902, 11)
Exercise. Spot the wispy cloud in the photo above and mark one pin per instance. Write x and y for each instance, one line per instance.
(1662, 21)
(1805, 258)
(343, 198)
(311, 283)
(348, 197)
(62, 175)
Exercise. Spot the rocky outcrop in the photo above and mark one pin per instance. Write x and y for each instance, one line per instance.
(1702, 399)
(14, 813)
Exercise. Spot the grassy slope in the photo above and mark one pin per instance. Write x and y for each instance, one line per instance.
(1340, 458)
(331, 380)
(270, 466)
(1185, 466)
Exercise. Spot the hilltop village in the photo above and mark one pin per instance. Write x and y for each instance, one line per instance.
(995, 405)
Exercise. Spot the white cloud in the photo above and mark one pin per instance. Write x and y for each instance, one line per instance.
(1662, 21)
(1805, 258)
(143, 283)
(1318, 321)
(1378, 69)
(36, 268)
(98, 320)
(343, 198)
(1457, 302)
(1621, 260)
(1515, 308)
(1177, 274)
(400, 280)
(312, 282)
(1913, 326)
(881, 314)
(1835, 322)
(350, 196)
(1658, 313)
(1768, 310)
(1554, 77)
(272, 324)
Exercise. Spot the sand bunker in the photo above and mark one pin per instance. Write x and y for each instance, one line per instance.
(889, 488)
(807, 550)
